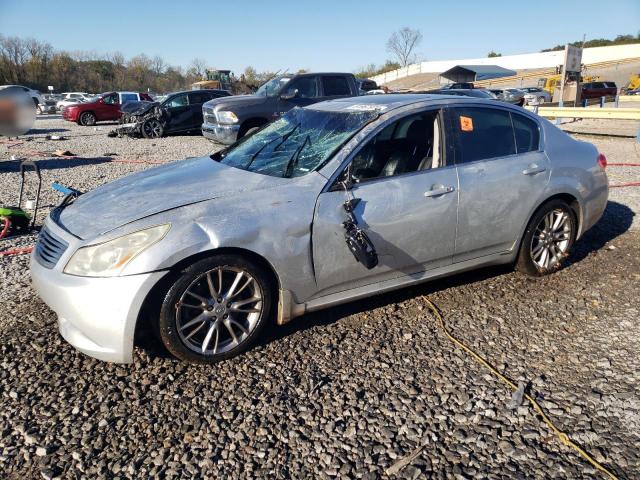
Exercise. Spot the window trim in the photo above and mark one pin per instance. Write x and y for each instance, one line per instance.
(454, 133)
(333, 184)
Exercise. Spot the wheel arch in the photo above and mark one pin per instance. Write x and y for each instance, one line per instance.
(150, 308)
(86, 111)
(570, 200)
(251, 123)
(566, 197)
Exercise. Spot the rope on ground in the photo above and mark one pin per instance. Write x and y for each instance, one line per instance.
(564, 438)
(6, 223)
(16, 251)
(622, 185)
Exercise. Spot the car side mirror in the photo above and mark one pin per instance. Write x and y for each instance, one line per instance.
(289, 95)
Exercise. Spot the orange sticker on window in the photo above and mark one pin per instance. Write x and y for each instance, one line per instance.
(466, 124)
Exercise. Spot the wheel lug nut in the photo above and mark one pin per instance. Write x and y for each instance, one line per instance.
(219, 299)
(225, 316)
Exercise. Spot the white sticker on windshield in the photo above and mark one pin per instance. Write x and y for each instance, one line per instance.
(363, 107)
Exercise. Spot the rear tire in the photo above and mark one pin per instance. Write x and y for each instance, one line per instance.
(216, 309)
(549, 236)
(88, 119)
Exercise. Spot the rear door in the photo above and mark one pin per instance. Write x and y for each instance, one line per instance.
(196, 99)
(502, 172)
(335, 86)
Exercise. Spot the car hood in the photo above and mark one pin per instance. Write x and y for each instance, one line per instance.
(235, 101)
(138, 108)
(156, 190)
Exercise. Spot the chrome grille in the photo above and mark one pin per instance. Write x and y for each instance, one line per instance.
(49, 248)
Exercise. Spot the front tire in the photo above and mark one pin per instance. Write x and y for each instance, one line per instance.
(549, 236)
(88, 119)
(216, 309)
(152, 128)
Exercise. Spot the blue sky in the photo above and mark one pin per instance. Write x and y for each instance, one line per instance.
(321, 35)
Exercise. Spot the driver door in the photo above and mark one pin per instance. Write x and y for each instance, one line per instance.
(408, 207)
(180, 116)
(307, 93)
(108, 108)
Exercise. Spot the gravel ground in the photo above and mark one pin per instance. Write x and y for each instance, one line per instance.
(345, 392)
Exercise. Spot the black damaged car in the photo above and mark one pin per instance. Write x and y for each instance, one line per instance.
(179, 112)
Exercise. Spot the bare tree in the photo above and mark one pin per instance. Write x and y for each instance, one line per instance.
(158, 65)
(198, 68)
(402, 45)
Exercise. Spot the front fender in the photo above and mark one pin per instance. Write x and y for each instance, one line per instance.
(275, 225)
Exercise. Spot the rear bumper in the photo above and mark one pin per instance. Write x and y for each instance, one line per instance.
(225, 134)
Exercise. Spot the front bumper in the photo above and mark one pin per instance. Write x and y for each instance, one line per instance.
(70, 115)
(225, 134)
(96, 315)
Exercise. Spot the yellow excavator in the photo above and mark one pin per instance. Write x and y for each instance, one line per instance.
(549, 83)
(216, 79)
(634, 82)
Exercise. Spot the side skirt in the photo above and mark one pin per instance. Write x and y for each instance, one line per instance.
(288, 309)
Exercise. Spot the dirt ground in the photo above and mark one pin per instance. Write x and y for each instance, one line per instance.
(346, 392)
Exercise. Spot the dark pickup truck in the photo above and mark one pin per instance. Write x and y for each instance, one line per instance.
(229, 119)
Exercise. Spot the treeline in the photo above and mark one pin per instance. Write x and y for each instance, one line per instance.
(600, 42)
(372, 69)
(37, 64)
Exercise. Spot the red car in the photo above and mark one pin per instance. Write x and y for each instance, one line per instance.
(104, 107)
(599, 89)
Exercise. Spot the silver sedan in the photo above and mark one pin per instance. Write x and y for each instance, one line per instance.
(333, 202)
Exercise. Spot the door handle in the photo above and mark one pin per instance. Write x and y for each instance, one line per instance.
(533, 169)
(438, 190)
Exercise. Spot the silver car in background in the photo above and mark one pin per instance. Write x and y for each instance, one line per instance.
(509, 95)
(336, 201)
(536, 95)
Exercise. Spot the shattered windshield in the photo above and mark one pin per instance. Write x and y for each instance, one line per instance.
(296, 144)
(272, 87)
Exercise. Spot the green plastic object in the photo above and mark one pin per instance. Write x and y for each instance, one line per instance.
(12, 212)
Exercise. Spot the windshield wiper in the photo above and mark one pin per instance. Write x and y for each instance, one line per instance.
(284, 139)
(286, 136)
(293, 161)
(257, 152)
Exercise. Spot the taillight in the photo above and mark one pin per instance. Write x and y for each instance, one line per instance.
(602, 161)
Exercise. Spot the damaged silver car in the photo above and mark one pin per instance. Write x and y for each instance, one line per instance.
(332, 202)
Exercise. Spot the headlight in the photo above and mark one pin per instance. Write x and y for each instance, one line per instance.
(226, 117)
(109, 259)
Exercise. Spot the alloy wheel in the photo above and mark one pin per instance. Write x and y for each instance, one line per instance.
(152, 129)
(551, 239)
(218, 310)
(88, 119)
